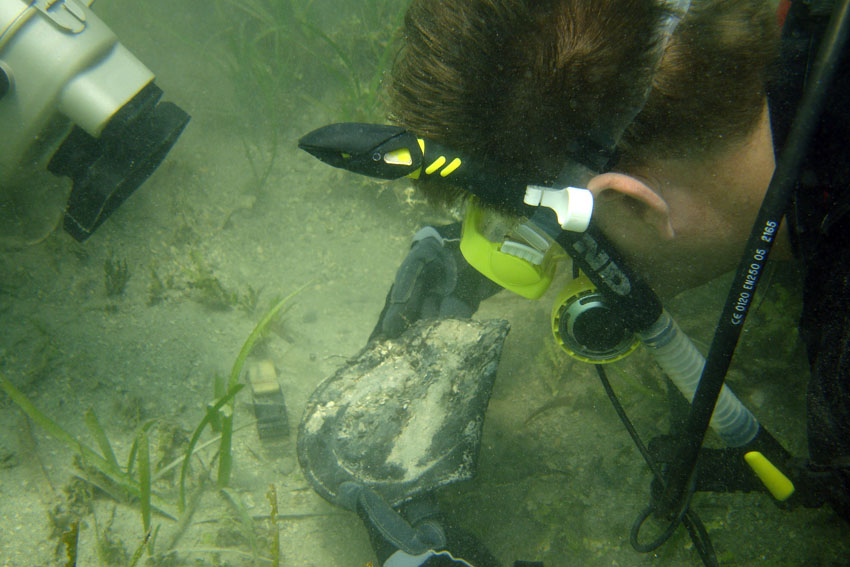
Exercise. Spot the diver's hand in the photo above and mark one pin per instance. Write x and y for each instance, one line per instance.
(433, 281)
(416, 534)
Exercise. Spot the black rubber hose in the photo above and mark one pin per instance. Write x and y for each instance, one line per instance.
(686, 516)
(755, 255)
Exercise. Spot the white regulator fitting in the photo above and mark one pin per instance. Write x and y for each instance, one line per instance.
(572, 205)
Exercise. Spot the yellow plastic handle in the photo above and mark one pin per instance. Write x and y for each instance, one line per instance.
(779, 485)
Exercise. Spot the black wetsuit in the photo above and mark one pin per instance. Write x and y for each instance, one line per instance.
(819, 219)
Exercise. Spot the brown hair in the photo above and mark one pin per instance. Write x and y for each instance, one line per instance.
(518, 81)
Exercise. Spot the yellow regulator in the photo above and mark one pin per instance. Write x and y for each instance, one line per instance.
(587, 328)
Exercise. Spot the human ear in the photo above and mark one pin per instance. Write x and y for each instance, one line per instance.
(638, 196)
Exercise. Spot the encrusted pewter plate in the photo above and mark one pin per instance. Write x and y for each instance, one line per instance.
(404, 417)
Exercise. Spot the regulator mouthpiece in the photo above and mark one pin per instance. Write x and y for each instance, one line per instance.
(587, 328)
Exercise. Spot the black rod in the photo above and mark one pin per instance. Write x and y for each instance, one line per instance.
(755, 255)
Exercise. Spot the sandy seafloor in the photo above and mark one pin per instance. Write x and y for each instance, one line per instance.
(562, 487)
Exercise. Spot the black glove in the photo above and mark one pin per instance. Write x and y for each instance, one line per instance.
(434, 281)
(416, 535)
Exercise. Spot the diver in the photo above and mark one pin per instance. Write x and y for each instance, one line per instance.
(92, 115)
(672, 115)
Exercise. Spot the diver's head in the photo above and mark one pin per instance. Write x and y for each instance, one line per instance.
(684, 221)
(526, 85)
(520, 82)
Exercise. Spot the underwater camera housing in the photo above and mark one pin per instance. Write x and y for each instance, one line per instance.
(67, 82)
